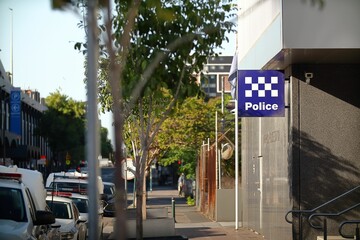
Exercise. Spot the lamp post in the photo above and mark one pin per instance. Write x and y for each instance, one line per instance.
(11, 48)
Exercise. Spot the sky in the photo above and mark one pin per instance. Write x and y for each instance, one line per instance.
(44, 58)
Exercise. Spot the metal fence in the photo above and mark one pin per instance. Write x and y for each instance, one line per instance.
(206, 180)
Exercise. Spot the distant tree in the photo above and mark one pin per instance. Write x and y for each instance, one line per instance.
(182, 134)
(63, 126)
(106, 146)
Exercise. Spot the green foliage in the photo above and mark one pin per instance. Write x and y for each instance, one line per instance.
(63, 125)
(106, 146)
(190, 201)
(183, 133)
(199, 28)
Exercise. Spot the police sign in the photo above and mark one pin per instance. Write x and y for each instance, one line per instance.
(261, 93)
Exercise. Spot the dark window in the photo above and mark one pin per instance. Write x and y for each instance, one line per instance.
(12, 205)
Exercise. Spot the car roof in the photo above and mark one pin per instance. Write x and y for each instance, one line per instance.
(109, 183)
(58, 199)
(8, 183)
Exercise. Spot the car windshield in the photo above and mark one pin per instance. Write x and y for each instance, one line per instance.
(12, 205)
(60, 209)
(81, 204)
(109, 190)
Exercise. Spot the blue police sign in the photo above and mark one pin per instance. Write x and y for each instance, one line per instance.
(15, 111)
(261, 93)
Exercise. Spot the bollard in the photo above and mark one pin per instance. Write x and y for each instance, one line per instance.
(173, 208)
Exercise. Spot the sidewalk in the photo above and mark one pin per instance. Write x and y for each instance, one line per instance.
(191, 223)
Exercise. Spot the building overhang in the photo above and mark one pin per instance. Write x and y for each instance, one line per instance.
(287, 57)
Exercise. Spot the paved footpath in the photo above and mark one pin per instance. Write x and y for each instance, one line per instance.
(191, 223)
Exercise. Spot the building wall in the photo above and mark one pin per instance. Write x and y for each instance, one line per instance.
(26, 149)
(311, 155)
(215, 76)
(306, 158)
(314, 26)
(267, 27)
(265, 176)
(325, 143)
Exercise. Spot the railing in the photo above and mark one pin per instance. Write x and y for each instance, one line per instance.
(357, 231)
(311, 213)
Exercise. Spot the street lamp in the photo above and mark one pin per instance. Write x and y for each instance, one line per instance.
(12, 48)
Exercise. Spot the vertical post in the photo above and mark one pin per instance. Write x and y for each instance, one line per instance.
(219, 157)
(222, 95)
(216, 155)
(173, 208)
(11, 48)
(92, 136)
(126, 171)
(236, 167)
(150, 178)
(3, 106)
(325, 229)
(260, 158)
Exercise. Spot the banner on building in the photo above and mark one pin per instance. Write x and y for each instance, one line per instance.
(233, 76)
(15, 111)
(261, 93)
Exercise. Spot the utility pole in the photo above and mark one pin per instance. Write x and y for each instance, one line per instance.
(11, 48)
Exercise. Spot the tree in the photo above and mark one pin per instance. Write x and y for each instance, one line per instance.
(106, 146)
(63, 126)
(160, 46)
(193, 121)
(151, 46)
(182, 133)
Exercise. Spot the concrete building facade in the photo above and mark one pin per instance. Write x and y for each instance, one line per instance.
(311, 156)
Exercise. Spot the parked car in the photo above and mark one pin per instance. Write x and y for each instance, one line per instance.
(23, 210)
(109, 199)
(82, 203)
(71, 182)
(67, 215)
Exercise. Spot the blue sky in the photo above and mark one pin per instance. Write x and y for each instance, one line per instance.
(44, 58)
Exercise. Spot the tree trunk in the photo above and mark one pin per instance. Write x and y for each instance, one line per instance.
(139, 200)
(144, 197)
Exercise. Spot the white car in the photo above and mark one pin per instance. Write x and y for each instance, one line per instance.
(23, 210)
(82, 203)
(71, 182)
(67, 215)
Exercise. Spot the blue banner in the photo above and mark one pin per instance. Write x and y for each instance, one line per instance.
(15, 111)
(261, 93)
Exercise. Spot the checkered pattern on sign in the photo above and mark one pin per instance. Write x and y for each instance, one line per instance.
(261, 87)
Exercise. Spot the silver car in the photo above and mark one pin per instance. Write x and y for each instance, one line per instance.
(67, 215)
